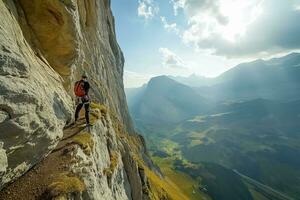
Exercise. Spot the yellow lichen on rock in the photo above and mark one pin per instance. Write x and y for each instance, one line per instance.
(64, 185)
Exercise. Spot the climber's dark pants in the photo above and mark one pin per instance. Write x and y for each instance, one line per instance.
(87, 111)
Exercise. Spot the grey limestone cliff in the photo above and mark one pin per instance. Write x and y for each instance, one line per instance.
(45, 45)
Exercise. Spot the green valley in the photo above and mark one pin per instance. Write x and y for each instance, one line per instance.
(229, 128)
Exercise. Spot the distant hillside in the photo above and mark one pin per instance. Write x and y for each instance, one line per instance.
(165, 100)
(276, 79)
(246, 119)
(259, 138)
(271, 79)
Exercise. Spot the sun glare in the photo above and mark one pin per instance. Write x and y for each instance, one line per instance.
(240, 14)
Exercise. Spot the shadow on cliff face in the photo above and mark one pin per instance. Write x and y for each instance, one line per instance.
(13, 66)
(59, 109)
(51, 31)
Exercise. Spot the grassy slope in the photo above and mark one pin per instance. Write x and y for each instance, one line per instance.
(258, 138)
(184, 182)
(256, 195)
(163, 188)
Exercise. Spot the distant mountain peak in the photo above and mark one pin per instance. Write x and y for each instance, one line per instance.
(162, 80)
(161, 77)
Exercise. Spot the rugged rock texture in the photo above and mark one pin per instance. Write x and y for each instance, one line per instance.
(34, 105)
(45, 45)
(78, 37)
(103, 171)
(86, 165)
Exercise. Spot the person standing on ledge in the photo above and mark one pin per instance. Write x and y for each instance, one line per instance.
(81, 90)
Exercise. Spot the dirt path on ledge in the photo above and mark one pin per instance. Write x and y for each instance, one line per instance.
(33, 185)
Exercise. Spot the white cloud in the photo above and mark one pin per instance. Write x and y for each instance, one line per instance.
(240, 28)
(134, 79)
(169, 27)
(227, 19)
(199, 8)
(147, 9)
(170, 59)
(177, 4)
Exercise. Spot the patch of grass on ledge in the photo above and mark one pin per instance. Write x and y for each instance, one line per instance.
(114, 157)
(85, 141)
(65, 184)
(98, 111)
(102, 108)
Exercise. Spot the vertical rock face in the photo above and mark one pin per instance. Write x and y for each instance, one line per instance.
(45, 45)
(103, 171)
(34, 105)
(78, 37)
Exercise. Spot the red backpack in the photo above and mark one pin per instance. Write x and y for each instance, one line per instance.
(78, 89)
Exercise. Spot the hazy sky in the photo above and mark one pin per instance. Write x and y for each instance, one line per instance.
(205, 37)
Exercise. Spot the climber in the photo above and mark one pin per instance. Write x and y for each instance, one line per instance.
(81, 90)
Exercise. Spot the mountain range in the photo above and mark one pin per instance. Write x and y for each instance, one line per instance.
(246, 119)
(276, 79)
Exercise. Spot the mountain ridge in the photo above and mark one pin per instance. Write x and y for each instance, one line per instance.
(182, 105)
(200, 81)
(251, 125)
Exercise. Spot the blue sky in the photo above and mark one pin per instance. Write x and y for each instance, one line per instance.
(205, 37)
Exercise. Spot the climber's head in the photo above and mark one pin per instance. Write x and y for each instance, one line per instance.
(84, 77)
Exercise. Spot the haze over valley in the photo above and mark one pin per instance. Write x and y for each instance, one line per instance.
(245, 120)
